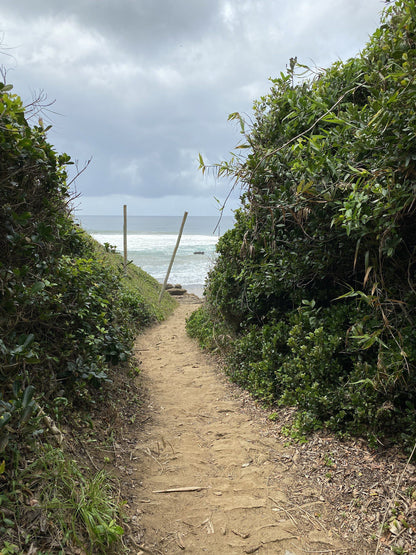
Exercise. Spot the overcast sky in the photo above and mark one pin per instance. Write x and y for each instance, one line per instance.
(143, 86)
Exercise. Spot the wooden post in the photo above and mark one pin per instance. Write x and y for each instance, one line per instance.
(178, 240)
(125, 237)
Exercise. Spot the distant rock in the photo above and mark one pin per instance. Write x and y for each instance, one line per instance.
(177, 290)
(170, 286)
(199, 252)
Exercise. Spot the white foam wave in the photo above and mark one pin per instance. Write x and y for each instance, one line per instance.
(159, 242)
(153, 253)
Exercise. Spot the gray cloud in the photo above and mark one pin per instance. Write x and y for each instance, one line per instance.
(143, 86)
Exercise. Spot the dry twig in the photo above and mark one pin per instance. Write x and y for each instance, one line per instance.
(178, 490)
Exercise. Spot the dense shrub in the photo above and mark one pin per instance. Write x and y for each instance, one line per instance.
(68, 314)
(68, 317)
(317, 277)
(212, 335)
(64, 313)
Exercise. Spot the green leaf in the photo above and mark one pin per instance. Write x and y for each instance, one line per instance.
(37, 287)
(4, 441)
(201, 163)
(28, 340)
(28, 396)
(26, 414)
(4, 418)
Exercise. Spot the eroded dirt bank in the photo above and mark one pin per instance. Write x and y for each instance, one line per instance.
(239, 495)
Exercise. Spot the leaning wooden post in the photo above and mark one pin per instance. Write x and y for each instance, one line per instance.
(125, 237)
(178, 240)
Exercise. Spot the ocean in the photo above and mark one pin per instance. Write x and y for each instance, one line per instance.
(151, 241)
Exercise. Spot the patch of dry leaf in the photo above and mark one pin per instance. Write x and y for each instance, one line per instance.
(372, 491)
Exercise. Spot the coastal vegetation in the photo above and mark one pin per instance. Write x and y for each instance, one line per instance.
(68, 318)
(312, 300)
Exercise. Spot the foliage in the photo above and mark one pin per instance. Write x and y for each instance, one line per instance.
(138, 286)
(72, 509)
(211, 335)
(68, 312)
(317, 276)
(18, 421)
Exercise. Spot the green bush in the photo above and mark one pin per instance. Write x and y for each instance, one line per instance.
(324, 244)
(254, 357)
(76, 511)
(68, 312)
(212, 334)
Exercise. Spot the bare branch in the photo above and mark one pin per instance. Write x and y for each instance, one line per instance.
(79, 171)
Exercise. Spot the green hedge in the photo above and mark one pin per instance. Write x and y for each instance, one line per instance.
(68, 314)
(317, 277)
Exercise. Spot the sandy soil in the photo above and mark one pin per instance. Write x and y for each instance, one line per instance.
(239, 493)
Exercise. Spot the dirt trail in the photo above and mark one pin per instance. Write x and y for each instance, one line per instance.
(198, 437)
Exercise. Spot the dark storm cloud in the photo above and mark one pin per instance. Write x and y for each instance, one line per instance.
(143, 86)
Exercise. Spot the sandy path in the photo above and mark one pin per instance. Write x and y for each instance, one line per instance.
(198, 436)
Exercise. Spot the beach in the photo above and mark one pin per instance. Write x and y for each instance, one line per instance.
(151, 241)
